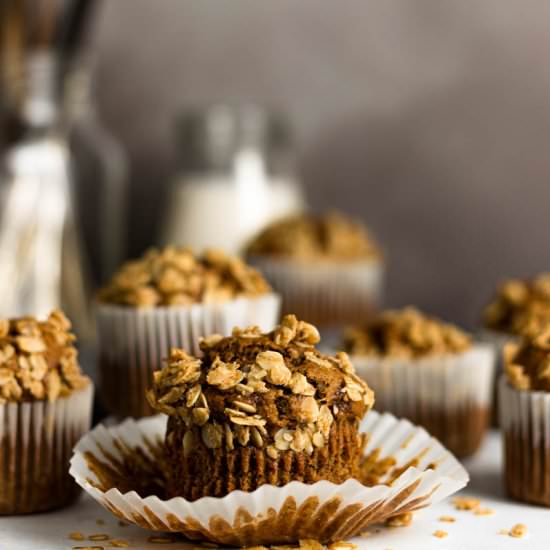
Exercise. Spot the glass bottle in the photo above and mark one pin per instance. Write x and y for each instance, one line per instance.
(236, 175)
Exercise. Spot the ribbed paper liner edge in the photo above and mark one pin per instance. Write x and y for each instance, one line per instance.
(133, 342)
(37, 439)
(269, 515)
(325, 293)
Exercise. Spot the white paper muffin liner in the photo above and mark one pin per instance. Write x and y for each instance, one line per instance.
(133, 342)
(325, 293)
(37, 439)
(525, 424)
(445, 394)
(270, 515)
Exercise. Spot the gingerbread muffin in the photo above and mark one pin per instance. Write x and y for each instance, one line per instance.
(45, 407)
(171, 298)
(525, 417)
(327, 268)
(260, 408)
(428, 371)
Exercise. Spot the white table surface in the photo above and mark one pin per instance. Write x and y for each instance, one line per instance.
(469, 532)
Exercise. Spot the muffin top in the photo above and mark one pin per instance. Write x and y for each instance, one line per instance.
(274, 390)
(309, 237)
(406, 333)
(520, 306)
(176, 277)
(527, 363)
(38, 360)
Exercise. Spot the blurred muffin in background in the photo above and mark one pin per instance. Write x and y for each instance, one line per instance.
(45, 406)
(171, 298)
(428, 371)
(519, 307)
(327, 268)
(260, 408)
(524, 392)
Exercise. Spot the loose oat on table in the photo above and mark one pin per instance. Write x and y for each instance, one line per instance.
(119, 543)
(466, 503)
(440, 534)
(99, 537)
(157, 539)
(401, 520)
(446, 519)
(267, 401)
(405, 333)
(518, 531)
(520, 307)
(484, 512)
(76, 535)
(176, 277)
(309, 237)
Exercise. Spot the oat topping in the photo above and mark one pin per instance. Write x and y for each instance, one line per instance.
(38, 360)
(176, 277)
(484, 512)
(406, 333)
(305, 237)
(520, 306)
(527, 363)
(271, 390)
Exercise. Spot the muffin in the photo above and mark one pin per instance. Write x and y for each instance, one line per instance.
(45, 407)
(327, 268)
(524, 392)
(171, 298)
(259, 408)
(518, 307)
(428, 371)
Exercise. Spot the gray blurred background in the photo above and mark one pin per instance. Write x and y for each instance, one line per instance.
(428, 119)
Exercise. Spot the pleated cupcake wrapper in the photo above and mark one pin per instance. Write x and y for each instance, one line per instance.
(133, 342)
(270, 515)
(325, 293)
(37, 439)
(525, 423)
(441, 383)
(449, 395)
(497, 340)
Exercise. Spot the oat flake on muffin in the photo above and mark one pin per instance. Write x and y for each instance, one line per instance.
(260, 408)
(332, 236)
(406, 333)
(176, 277)
(520, 306)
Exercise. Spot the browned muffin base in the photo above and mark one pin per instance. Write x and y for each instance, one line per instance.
(35, 479)
(207, 472)
(123, 388)
(460, 431)
(527, 469)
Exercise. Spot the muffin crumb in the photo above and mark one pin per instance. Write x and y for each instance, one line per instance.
(466, 503)
(401, 520)
(518, 531)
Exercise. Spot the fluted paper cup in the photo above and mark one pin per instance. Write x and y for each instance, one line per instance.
(424, 473)
(133, 342)
(497, 340)
(37, 439)
(525, 424)
(449, 395)
(326, 294)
